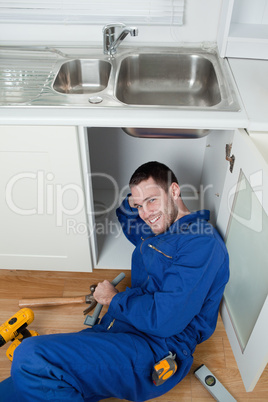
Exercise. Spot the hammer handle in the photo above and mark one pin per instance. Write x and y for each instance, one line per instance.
(51, 301)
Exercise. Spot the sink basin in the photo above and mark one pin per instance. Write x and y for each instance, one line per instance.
(82, 76)
(182, 78)
(170, 79)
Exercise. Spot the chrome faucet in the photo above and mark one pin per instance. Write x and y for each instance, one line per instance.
(114, 34)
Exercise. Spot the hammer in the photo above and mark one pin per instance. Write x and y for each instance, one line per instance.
(93, 319)
(59, 301)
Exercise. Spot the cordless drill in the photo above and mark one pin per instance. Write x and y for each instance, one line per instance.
(14, 329)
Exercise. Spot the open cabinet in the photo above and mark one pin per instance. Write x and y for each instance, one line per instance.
(243, 29)
(206, 182)
(243, 222)
(114, 156)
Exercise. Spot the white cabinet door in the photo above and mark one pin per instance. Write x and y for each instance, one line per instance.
(243, 222)
(42, 210)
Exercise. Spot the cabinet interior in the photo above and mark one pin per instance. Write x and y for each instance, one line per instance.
(247, 28)
(199, 165)
(250, 19)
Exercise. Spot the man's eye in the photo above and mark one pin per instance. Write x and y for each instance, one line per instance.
(152, 200)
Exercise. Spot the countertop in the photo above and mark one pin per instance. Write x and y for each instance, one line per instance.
(251, 79)
(42, 63)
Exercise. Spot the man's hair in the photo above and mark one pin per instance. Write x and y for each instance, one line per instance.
(162, 175)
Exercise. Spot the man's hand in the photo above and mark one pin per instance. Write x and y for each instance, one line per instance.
(104, 292)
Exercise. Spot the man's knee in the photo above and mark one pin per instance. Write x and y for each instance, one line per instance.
(25, 355)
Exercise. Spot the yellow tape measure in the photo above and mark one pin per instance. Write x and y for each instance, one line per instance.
(164, 369)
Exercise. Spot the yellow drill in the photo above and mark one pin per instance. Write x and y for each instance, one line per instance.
(15, 330)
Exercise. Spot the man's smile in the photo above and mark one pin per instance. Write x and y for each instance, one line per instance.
(154, 220)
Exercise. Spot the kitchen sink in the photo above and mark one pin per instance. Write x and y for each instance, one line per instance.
(183, 78)
(168, 79)
(145, 78)
(82, 76)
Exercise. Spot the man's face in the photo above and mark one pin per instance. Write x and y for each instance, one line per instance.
(156, 207)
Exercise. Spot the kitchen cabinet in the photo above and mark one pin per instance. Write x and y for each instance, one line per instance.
(243, 29)
(203, 167)
(42, 200)
(243, 222)
(260, 140)
(199, 164)
(114, 155)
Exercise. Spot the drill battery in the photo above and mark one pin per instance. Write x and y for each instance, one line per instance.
(17, 342)
(164, 369)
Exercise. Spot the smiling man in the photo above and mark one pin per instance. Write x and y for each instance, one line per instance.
(158, 206)
(179, 271)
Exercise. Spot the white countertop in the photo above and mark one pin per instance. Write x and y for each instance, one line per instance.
(126, 117)
(251, 77)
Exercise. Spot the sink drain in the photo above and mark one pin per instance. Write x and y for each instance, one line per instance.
(95, 99)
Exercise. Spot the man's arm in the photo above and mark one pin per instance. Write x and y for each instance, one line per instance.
(186, 285)
(133, 226)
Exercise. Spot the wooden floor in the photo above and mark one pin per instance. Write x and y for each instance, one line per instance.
(215, 353)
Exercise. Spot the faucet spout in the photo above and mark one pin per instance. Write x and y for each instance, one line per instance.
(121, 37)
(114, 34)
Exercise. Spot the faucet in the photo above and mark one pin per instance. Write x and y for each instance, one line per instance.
(110, 41)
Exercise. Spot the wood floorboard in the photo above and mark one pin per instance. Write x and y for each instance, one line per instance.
(215, 353)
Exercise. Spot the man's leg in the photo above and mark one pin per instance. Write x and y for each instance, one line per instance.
(87, 366)
(7, 391)
(84, 366)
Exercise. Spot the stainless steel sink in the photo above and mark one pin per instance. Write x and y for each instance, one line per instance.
(168, 79)
(186, 78)
(82, 76)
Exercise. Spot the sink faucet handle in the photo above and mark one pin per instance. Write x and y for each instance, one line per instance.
(113, 26)
(109, 32)
(114, 34)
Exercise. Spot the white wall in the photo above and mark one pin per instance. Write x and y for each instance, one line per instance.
(201, 24)
(250, 12)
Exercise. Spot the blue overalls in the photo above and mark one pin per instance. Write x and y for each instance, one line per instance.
(177, 282)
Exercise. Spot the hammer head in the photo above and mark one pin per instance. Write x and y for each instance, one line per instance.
(90, 300)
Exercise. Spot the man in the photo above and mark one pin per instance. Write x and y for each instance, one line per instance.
(179, 271)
